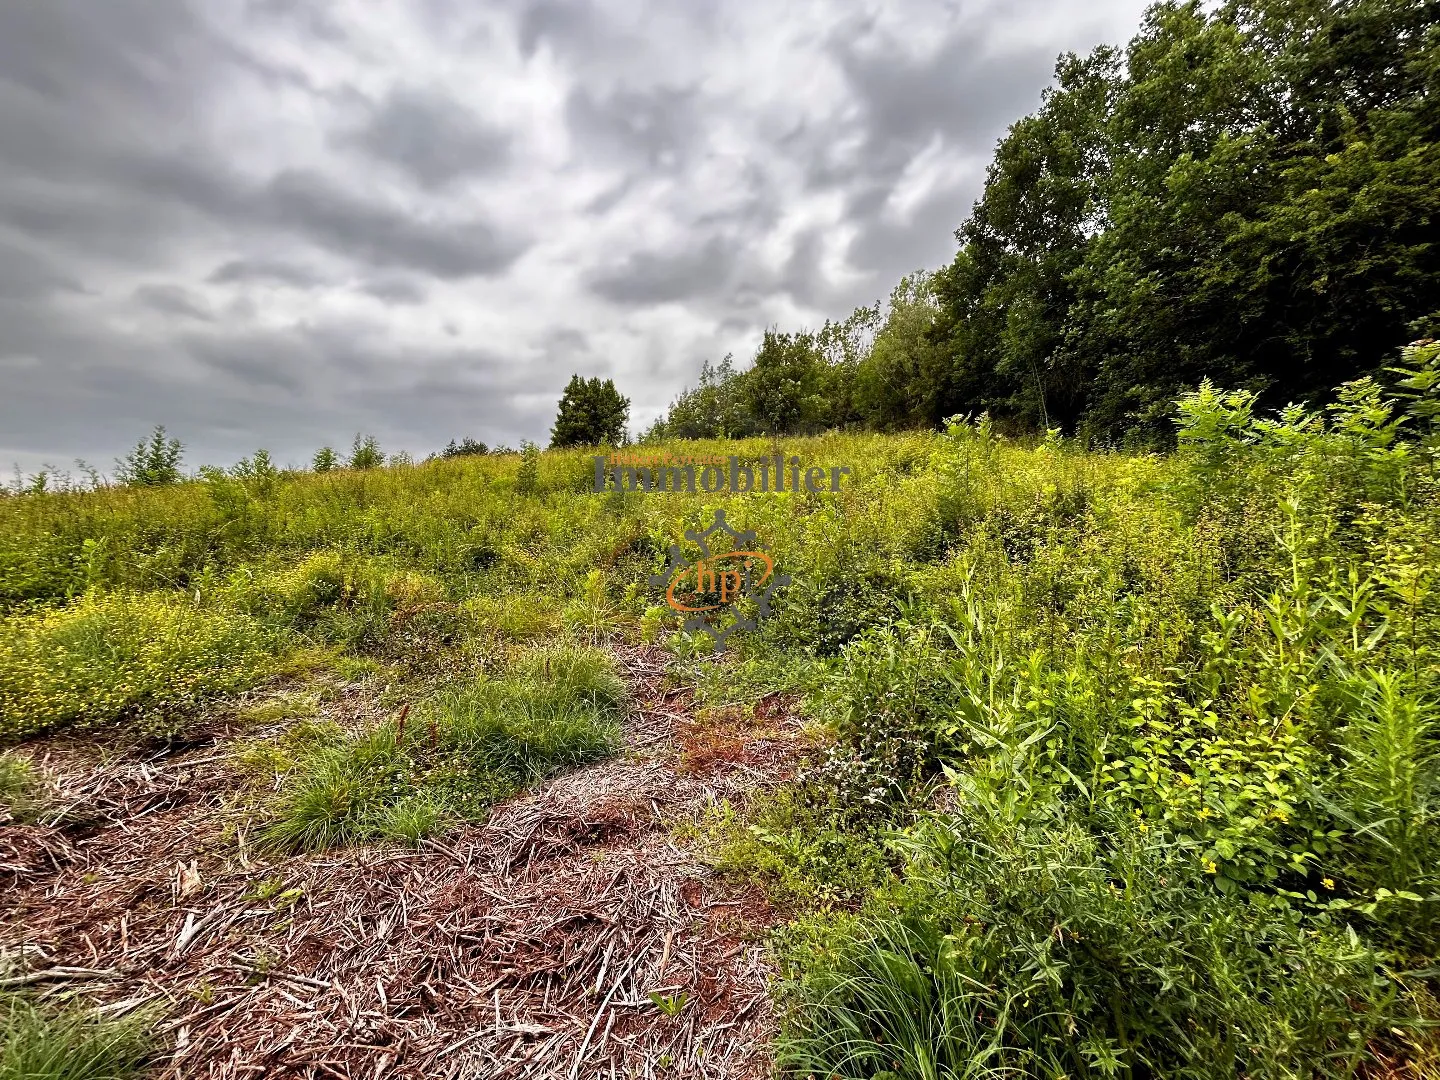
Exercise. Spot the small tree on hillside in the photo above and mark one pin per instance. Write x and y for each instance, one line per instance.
(325, 460)
(365, 453)
(154, 461)
(467, 448)
(592, 413)
(527, 482)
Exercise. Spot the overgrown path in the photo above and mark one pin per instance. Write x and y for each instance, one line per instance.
(569, 936)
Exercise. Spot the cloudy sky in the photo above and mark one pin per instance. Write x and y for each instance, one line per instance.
(279, 222)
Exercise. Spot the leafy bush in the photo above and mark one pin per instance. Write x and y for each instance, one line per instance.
(154, 461)
(365, 453)
(823, 614)
(1180, 716)
(1044, 952)
(527, 480)
(806, 856)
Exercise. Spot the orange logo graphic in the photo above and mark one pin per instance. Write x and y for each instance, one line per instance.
(708, 589)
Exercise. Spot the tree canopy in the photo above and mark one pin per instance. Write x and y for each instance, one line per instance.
(1249, 194)
(591, 413)
(154, 461)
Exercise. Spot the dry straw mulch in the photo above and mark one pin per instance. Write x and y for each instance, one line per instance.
(536, 945)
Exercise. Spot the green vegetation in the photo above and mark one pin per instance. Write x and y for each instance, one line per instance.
(68, 1042)
(22, 789)
(1144, 777)
(325, 460)
(111, 655)
(1247, 193)
(1126, 764)
(449, 759)
(365, 453)
(591, 413)
(465, 448)
(154, 461)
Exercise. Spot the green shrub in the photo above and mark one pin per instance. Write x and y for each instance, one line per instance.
(111, 656)
(154, 461)
(822, 615)
(365, 453)
(1042, 952)
(357, 603)
(1182, 713)
(802, 854)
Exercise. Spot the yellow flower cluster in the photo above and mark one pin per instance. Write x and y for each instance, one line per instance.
(105, 654)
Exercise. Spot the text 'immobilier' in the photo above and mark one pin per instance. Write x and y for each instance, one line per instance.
(678, 474)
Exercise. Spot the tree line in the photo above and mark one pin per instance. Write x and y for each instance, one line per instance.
(1249, 195)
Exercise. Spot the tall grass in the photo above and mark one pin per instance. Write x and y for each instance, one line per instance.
(45, 1042)
(1043, 951)
(22, 789)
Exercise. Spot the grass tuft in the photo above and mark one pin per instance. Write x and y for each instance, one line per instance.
(455, 755)
(22, 788)
(68, 1043)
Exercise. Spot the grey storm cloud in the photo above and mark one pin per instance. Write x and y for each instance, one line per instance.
(648, 277)
(173, 300)
(653, 127)
(264, 223)
(963, 91)
(433, 138)
(266, 270)
(394, 290)
(383, 235)
(25, 275)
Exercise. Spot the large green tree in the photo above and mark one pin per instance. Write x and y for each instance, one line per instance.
(900, 381)
(783, 390)
(711, 410)
(1005, 299)
(1251, 195)
(591, 413)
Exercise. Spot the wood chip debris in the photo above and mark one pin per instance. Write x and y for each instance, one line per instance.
(526, 947)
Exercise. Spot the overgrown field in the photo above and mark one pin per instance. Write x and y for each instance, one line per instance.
(1126, 766)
